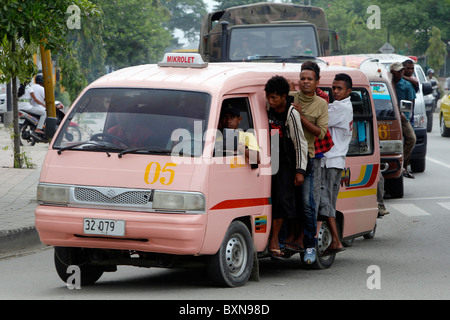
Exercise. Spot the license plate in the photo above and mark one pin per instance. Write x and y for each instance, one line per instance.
(104, 227)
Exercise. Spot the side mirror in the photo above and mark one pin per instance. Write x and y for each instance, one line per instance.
(405, 106)
(427, 88)
(433, 83)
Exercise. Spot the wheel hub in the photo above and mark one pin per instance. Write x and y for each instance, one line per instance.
(324, 238)
(236, 255)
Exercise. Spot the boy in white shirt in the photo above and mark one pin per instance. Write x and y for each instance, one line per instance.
(340, 124)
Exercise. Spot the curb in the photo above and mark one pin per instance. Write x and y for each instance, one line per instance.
(18, 239)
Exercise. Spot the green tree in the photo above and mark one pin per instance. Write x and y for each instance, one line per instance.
(133, 31)
(23, 26)
(186, 16)
(436, 51)
(89, 47)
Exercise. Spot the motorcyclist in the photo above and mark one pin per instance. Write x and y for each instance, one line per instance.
(38, 102)
(431, 76)
(29, 102)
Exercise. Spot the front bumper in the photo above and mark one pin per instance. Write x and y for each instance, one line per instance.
(179, 234)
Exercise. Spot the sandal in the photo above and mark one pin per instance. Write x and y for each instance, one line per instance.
(276, 254)
(293, 247)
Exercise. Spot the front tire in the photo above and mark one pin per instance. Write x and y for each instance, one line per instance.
(394, 187)
(232, 265)
(65, 257)
(445, 132)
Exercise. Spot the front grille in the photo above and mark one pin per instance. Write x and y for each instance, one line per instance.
(112, 196)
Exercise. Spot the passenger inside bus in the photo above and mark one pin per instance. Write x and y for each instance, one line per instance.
(234, 139)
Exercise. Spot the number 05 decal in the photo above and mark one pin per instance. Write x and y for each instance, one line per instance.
(154, 169)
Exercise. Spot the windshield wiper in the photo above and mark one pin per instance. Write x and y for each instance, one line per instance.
(76, 145)
(92, 145)
(150, 149)
(260, 57)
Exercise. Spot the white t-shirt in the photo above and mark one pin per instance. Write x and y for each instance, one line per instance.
(25, 100)
(39, 92)
(340, 124)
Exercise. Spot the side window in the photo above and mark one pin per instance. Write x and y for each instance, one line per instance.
(362, 138)
(241, 106)
(362, 142)
(383, 101)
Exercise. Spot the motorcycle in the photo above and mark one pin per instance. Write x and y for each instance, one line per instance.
(28, 123)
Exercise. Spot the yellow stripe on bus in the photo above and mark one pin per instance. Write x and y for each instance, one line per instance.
(357, 193)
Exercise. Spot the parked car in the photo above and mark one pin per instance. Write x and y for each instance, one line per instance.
(429, 99)
(444, 115)
(2, 101)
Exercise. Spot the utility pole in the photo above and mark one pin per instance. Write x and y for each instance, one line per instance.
(47, 71)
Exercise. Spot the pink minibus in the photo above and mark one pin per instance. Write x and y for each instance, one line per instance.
(145, 186)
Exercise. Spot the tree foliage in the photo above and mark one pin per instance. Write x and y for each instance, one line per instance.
(186, 16)
(24, 25)
(406, 24)
(436, 51)
(133, 32)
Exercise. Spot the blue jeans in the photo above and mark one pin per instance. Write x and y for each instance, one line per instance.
(308, 208)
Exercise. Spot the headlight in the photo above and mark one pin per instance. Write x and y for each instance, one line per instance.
(47, 193)
(420, 121)
(178, 201)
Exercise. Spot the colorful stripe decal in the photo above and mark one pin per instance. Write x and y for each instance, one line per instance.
(261, 224)
(241, 203)
(357, 193)
(366, 177)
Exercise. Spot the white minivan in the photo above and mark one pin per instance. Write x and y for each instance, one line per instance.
(2, 101)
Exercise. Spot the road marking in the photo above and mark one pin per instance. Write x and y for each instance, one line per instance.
(410, 210)
(445, 205)
(420, 199)
(438, 162)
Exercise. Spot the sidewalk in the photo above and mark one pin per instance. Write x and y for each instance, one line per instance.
(18, 193)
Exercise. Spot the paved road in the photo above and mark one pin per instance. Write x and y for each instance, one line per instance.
(408, 259)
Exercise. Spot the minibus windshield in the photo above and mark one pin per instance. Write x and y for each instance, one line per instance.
(126, 120)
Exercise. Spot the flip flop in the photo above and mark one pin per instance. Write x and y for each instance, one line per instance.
(332, 251)
(276, 254)
(290, 246)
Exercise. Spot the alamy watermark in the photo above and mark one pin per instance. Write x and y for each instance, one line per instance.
(374, 21)
(188, 148)
(74, 280)
(74, 21)
(374, 280)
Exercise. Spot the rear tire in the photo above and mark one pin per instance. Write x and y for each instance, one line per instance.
(371, 234)
(25, 137)
(232, 265)
(323, 241)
